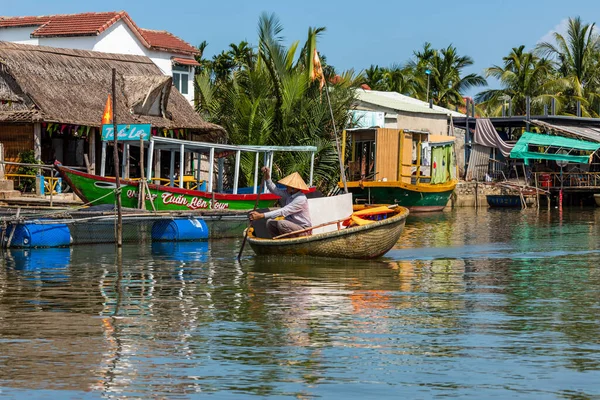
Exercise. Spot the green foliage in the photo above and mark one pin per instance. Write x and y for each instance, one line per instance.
(566, 69)
(264, 96)
(27, 157)
(446, 83)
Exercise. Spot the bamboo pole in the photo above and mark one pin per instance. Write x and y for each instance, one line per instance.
(337, 140)
(119, 227)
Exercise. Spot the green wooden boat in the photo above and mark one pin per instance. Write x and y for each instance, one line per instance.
(95, 190)
(100, 189)
(413, 169)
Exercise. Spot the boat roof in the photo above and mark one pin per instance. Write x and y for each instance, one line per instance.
(163, 143)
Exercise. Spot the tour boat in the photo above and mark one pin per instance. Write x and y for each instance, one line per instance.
(100, 189)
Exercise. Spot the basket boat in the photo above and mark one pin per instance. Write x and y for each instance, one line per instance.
(360, 242)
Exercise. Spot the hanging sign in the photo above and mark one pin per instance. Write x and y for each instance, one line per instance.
(126, 132)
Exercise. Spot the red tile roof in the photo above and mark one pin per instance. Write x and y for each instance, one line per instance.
(185, 61)
(163, 40)
(92, 24)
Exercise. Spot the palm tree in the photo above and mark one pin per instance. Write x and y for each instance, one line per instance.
(576, 57)
(243, 55)
(273, 102)
(522, 74)
(447, 82)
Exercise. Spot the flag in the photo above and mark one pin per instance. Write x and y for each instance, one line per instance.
(107, 116)
(317, 72)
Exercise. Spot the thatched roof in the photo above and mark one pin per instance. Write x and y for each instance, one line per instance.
(39, 83)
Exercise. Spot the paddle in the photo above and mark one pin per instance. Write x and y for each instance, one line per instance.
(260, 189)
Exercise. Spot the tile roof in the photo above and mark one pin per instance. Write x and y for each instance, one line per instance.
(185, 61)
(65, 24)
(163, 40)
(94, 23)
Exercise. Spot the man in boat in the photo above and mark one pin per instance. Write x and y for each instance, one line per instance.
(294, 207)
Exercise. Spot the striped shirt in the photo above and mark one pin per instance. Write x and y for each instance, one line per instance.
(295, 207)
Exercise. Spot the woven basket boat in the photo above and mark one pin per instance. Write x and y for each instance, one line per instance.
(362, 242)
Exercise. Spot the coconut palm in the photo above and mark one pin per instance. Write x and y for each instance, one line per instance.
(447, 80)
(577, 60)
(522, 74)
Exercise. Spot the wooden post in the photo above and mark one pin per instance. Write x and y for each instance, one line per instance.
(2, 167)
(537, 191)
(92, 149)
(119, 227)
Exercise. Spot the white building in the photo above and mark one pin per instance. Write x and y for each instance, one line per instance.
(397, 111)
(108, 32)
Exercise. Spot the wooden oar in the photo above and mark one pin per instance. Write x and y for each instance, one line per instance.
(260, 189)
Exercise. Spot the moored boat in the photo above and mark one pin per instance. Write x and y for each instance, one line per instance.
(597, 199)
(505, 200)
(371, 240)
(100, 189)
(413, 169)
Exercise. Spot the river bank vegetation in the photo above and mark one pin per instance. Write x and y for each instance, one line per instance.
(266, 94)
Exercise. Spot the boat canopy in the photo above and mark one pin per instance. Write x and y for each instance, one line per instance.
(532, 146)
(214, 151)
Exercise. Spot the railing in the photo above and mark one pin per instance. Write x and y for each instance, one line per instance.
(579, 180)
(51, 184)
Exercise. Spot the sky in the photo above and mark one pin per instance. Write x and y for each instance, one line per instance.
(358, 33)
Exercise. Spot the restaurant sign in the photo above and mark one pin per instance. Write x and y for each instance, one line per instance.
(126, 132)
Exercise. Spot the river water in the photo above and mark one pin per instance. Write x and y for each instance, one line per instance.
(470, 303)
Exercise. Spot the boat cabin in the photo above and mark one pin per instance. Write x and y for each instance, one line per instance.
(404, 156)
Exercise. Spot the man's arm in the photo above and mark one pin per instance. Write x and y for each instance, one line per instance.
(271, 186)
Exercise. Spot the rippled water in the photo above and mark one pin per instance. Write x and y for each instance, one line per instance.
(469, 303)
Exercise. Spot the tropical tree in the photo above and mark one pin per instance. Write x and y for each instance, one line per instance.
(447, 81)
(576, 56)
(273, 101)
(522, 74)
(431, 73)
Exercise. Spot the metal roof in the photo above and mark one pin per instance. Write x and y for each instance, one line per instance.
(588, 132)
(400, 102)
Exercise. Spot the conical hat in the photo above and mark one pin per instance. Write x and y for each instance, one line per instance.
(294, 181)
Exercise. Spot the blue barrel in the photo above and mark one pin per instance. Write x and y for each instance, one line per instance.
(30, 234)
(175, 230)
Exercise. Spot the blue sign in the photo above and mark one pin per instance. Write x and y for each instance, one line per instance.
(126, 132)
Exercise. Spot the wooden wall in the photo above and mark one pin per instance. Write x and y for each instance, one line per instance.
(407, 158)
(16, 139)
(387, 154)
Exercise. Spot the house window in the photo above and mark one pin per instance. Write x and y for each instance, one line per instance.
(180, 78)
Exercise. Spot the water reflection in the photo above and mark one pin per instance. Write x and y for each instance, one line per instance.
(467, 304)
